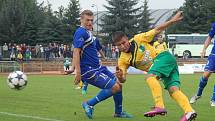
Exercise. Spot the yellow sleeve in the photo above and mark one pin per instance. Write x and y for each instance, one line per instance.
(123, 65)
(155, 43)
(146, 36)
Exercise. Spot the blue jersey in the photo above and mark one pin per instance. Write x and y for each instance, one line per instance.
(83, 39)
(211, 34)
(98, 45)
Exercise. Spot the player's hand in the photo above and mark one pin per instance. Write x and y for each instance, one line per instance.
(177, 17)
(119, 75)
(77, 78)
(69, 72)
(203, 54)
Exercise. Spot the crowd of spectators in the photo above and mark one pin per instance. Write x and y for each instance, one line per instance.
(23, 52)
(47, 52)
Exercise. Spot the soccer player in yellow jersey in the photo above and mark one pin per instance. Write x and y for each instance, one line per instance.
(137, 52)
(160, 44)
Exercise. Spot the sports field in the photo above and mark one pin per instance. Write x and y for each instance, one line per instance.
(54, 98)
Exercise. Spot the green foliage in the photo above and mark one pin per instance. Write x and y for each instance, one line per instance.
(144, 21)
(71, 19)
(26, 21)
(121, 16)
(198, 14)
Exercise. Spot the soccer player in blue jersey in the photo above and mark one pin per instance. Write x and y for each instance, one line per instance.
(88, 68)
(99, 49)
(209, 68)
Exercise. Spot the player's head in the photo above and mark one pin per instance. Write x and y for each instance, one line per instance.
(160, 38)
(121, 41)
(87, 19)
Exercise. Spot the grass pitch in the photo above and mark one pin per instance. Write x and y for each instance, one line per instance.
(54, 98)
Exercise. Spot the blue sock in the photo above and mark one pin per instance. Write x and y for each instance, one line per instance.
(202, 84)
(85, 86)
(118, 102)
(213, 97)
(102, 95)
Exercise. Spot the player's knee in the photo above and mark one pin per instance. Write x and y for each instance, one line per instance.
(173, 89)
(150, 76)
(206, 75)
(116, 87)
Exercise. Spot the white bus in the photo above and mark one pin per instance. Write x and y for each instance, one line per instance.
(187, 45)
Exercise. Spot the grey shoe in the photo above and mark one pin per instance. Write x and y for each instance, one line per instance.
(194, 99)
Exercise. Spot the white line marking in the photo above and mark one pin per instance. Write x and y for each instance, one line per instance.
(26, 116)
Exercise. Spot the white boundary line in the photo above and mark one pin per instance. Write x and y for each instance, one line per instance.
(26, 116)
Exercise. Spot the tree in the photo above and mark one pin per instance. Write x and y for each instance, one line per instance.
(121, 16)
(51, 29)
(196, 17)
(71, 19)
(144, 21)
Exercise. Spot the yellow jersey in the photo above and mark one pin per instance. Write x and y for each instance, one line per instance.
(141, 53)
(160, 46)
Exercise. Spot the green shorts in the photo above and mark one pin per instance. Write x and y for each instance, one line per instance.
(166, 68)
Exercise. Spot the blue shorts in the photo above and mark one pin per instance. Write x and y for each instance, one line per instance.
(210, 66)
(100, 77)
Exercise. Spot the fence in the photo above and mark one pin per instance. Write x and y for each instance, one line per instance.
(32, 67)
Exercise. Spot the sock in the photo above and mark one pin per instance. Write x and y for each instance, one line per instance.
(182, 100)
(118, 102)
(102, 95)
(156, 91)
(213, 97)
(202, 83)
(85, 86)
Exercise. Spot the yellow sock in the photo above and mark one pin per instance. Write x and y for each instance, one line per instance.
(156, 91)
(182, 100)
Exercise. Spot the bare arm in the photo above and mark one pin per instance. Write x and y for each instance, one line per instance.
(177, 17)
(119, 74)
(102, 54)
(76, 63)
(206, 44)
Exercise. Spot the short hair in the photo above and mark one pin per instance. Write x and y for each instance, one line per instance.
(87, 12)
(117, 36)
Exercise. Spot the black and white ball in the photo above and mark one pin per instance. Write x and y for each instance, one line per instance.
(17, 80)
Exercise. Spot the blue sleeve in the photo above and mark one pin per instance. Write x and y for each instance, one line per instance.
(79, 38)
(212, 31)
(98, 45)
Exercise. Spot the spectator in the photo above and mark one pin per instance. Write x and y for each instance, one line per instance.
(5, 51)
(27, 55)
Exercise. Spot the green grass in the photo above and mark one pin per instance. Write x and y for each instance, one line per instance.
(54, 97)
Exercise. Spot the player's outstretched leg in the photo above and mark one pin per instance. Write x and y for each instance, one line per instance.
(88, 110)
(156, 111)
(156, 90)
(202, 83)
(190, 116)
(183, 102)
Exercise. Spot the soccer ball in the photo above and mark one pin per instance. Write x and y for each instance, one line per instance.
(17, 80)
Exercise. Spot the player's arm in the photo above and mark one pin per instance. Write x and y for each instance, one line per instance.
(177, 17)
(102, 54)
(76, 63)
(121, 71)
(208, 40)
(206, 44)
